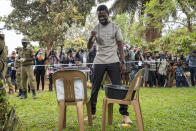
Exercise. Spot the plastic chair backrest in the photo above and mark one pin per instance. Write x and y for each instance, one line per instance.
(135, 85)
(68, 77)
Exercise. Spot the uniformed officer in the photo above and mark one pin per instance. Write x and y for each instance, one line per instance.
(4, 54)
(27, 60)
(17, 66)
(3, 101)
(3, 57)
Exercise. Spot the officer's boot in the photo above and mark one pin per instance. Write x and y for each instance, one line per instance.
(19, 93)
(24, 95)
(34, 94)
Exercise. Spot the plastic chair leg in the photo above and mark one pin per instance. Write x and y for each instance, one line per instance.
(104, 114)
(80, 111)
(110, 113)
(89, 113)
(64, 120)
(137, 109)
(61, 115)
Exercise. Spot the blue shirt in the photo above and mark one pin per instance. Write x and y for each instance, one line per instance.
(179, 71)
(191, 60)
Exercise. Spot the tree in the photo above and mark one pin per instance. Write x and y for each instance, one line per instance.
(123, 21)
(77, 35)
(46, 21)
(169, 11)
(188, 8)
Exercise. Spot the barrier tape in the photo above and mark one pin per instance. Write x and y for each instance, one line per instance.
(128, 62)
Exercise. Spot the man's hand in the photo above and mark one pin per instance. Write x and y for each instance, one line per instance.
(93, 34)
(22, 59)
(91, 39)
(122, 68)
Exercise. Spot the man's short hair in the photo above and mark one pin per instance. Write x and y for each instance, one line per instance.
(103, 8)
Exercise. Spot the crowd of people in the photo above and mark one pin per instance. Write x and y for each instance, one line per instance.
(161, 69)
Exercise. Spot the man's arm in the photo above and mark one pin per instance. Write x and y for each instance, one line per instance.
(91, 39)
(120, 47)
(122, 57)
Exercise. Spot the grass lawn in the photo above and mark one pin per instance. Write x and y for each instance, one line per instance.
(168, 109)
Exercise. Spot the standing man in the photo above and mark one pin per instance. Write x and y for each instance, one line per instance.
(53, 59)
(17, 66)
(27, 60)
(109, 39)
(11, 72)
(191, 59)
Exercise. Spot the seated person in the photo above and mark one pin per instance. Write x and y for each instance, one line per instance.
(180, 77)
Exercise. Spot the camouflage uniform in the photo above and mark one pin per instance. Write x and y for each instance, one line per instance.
(8, 79)
(3, 58)
(3, 101)
(17, 65)
(27, 70)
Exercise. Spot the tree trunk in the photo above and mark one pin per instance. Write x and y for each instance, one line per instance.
(189, 25)
(48, 46)
(152, 33)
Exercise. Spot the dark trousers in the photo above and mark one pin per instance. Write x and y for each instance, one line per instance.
(113, 71)
(181, 80)
(50, 81)
(40, 74)
(91, 73)
(193, 75)
(152, 78)
(161, 80)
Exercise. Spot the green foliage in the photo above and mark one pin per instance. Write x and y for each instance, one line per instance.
(180, 41)
(47, 21)
(4, 108)
(159, 11)
(162, 109)
(75, 44)
(123, 21)
(136, 34)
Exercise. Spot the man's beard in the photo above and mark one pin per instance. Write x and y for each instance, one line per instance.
(105, 22)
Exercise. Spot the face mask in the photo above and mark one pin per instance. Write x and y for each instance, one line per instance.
(24, 44)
